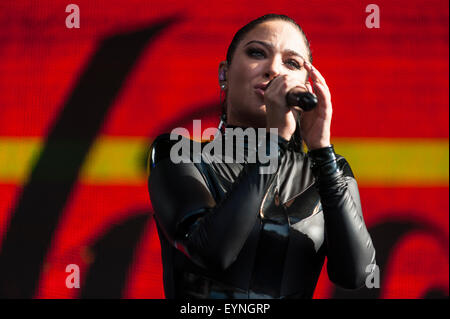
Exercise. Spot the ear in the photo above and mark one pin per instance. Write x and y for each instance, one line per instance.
(223, 68)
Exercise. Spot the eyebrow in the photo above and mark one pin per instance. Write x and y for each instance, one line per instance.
(271, 46)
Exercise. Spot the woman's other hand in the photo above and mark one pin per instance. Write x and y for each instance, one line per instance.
(316, 124)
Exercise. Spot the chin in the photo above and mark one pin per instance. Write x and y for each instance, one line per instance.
(261, 108)
(262, 111)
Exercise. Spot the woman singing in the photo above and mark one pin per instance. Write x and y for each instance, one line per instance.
(229, 231)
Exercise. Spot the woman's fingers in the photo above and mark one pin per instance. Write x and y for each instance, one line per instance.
(309, 87)
(322, 91)
(314, 73)
(318, 81)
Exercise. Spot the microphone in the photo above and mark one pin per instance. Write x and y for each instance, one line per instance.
(305, 100)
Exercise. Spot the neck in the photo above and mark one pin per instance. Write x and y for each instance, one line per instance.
(254, 120)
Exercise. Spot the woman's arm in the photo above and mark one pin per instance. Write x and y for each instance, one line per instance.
(349, 246)
(211, 234)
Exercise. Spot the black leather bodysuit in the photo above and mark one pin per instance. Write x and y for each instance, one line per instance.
(228, 231)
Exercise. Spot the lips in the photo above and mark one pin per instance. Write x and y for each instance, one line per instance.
(259, 91)
(260, 88)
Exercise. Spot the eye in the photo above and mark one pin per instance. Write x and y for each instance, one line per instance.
(295, 64)
(255, 53)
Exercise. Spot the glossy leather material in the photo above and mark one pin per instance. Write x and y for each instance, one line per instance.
(228, 231)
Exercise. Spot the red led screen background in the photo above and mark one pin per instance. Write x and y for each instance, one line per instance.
(79, 108)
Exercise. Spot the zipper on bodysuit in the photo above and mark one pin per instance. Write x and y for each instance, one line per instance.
(276, 197)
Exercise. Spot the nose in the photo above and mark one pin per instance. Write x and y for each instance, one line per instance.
(274, 67)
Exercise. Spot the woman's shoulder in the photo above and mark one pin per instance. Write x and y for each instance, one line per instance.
(344, 165)
(160, 148)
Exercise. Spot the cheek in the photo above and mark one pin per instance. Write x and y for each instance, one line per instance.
(243, 75)
(240, 81)
(246, 68)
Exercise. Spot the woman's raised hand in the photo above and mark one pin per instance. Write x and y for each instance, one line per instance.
(316, 124)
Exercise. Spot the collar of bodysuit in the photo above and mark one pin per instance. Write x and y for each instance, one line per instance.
(285, 143)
